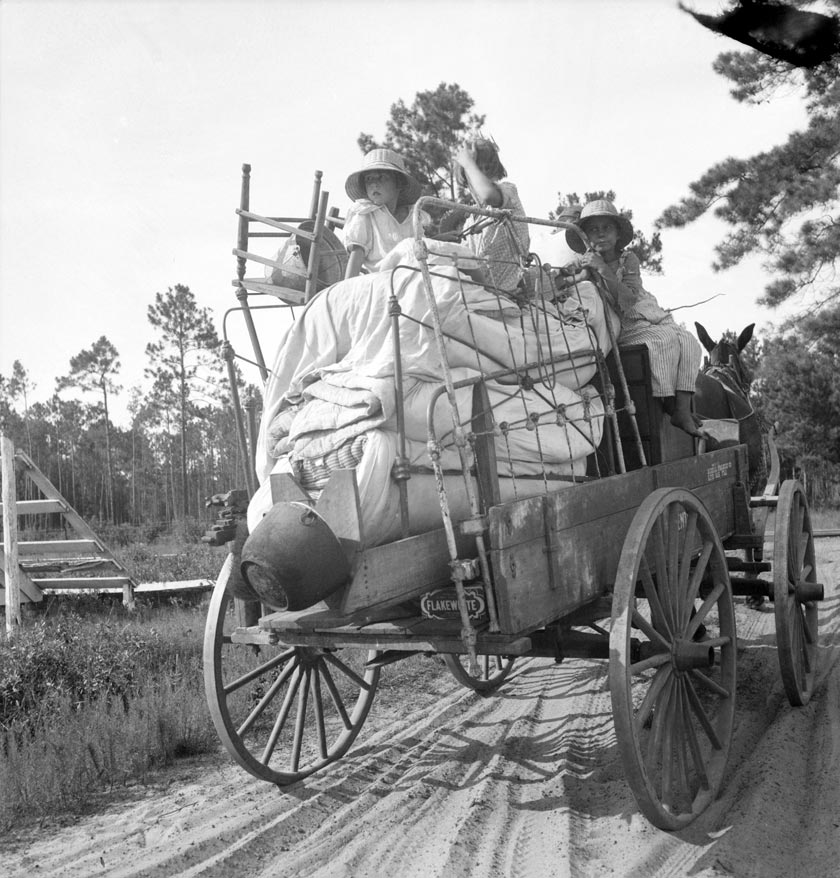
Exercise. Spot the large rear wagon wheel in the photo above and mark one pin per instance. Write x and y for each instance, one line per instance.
(794, 567)
(492, 671)
(282, 712)
(673, 658)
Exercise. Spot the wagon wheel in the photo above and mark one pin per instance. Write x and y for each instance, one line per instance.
(673, 658)
(281, 711)
(796, 617)
(492, 671)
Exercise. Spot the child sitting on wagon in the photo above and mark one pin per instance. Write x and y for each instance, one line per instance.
(478, 167)
(380, 216)
(675, 354)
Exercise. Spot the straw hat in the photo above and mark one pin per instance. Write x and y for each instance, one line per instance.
(601, 207)
(383, 160)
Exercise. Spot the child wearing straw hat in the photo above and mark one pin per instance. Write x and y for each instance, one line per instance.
(674, 353)
(380, 217)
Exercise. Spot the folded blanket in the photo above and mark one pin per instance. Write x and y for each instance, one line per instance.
(334, 410)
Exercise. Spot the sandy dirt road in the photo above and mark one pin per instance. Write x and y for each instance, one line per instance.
(527, 782)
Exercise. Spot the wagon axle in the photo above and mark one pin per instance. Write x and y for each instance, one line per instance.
(803, 591)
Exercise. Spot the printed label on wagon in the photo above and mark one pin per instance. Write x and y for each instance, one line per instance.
(718, 471)
(443, 603)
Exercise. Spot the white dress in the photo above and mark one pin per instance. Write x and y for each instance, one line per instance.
(374, 228)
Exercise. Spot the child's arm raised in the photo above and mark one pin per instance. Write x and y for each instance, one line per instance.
(482, 187)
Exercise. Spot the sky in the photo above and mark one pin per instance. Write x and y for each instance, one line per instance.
(124, 125)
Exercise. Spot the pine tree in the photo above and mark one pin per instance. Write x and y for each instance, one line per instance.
(184, 355)
(782, 204)
(94, 370)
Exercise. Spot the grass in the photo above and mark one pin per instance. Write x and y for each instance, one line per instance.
(170, 562)
(825, 519)
(90, 702)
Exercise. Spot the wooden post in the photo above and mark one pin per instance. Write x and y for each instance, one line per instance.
(10, 548)
(251, 410)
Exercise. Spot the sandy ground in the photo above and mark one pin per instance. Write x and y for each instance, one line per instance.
(527, 782)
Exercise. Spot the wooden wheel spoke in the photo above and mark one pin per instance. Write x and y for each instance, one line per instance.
(698, 573)
(653, 635)
(685, 566)
(661, 568)
(710, 684)
(660, 711)
(700, 712)
(334, 693)
(300, 720)
(282, 716)
(802, 553)
(660, 620)
(258, 671)
(682, 729)
(801, 640)
(704, 610)
(318, 707)
(667, 749)
(672, 537)
(653, 661)
(693, 743)
(649, 701)
(809, 635)
(346, 670)
(269, 696)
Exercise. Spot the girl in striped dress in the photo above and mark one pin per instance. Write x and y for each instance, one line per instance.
(675, 354)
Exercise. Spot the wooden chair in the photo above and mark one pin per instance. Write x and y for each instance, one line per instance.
(322, 253)
(322, 263)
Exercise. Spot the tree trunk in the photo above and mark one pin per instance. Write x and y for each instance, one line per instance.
(110, 466)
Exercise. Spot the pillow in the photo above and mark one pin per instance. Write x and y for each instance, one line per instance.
(439, 253)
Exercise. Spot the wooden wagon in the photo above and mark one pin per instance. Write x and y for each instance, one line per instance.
(634, 560)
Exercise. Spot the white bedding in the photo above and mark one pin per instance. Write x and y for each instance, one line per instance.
(335, 366)
(333, 379)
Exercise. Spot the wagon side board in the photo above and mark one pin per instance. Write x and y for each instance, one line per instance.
(397, 571)
(553, 554)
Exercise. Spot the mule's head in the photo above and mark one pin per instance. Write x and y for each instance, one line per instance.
(727, 353)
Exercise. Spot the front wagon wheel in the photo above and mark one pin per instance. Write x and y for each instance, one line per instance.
(673, 658)
(794, 576)
(282, 712)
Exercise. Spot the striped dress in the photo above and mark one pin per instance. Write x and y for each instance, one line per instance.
(675, 354)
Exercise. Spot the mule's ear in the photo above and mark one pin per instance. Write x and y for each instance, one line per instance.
(705, 340)
(745, 336)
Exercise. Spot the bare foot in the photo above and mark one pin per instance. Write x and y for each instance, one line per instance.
(689, 423)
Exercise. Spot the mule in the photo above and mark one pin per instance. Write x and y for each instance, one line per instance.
(723, 391)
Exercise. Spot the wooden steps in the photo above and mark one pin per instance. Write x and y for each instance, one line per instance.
(46, 565)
